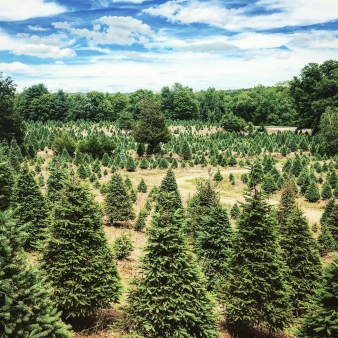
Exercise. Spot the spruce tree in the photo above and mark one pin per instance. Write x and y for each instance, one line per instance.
(296, 166)
(118, 204)
(326, 191)
(130, 164)
(325, 241)
(140, 222)
(169, 185)
(321, 319)
(186, 151)
(269, 184)
(6, 184)
(76, 255)
(144, 164)
(169, 299)
(26, 309)
(332, 223)
(218, 176)
(256, 292)
(142, 187)
(55, 181)
(327, 211)
(312, 193)
(302, 258)
(213, 244)
(30, 207)
(235, 211)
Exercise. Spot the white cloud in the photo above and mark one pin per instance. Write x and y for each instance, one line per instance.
(122, 30)
(15, 67)
(283, 56)
(37, 28)
(291, 13)
(25, 9)
(43, 51)
(59, 62)
(53, 40)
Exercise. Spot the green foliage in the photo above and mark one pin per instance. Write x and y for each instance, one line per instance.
(235, 211)
(332, 223)
(256, 292)
(96, 145)
(321, 319)
(122, 246)
(169, 299)
(218, 176)
(130, 164)
(142, 187)
(326, 191)
(118, 204)
(76, 255)
(6, 184)
(64, 141)
(269, 184)
(144, 164)
(25, 296)
(230, 122)
(140, 222)
(326, 242)
(312, 193)
(186, 151)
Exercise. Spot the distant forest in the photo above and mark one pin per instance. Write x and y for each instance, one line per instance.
(299, 102)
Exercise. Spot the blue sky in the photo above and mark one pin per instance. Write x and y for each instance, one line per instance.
(123, 45)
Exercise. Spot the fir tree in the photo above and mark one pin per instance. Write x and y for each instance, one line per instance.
(256, 292)
(140, 223)
(81, 172)
(269, 184)
(105, 160)
(169, 185)
(25, 297)
(133, 195)
(186, 151)
(332, 223)
(6, 184)
(140, 149)
(128, 183)
(142, 187)
(218, 176)
(76, 255)
(130, 165)
(325, 241)
(296, 166)
(118, 204)
(213, 244)
(235, 211)
(321, 320)
(302, 259)
(333, 179)
(232, 161)
(312, 193)
(144, 164)
(30, 207)
(326, 191)
(169, 300)
(55, 182)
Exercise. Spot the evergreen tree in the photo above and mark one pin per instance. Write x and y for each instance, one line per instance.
(213, 244)
(296, 166)
(128, 183)
(55, 182)
(333, 178)
(169, 300)
(321, 320)
(325, 241)
(256, 174)
(26, 309)
(144, 164)
(140, 223)
(118, 204)
(335, 191)
(327, 211)
(326, 191)
(81, 172)
(6, 184)
(105, 160)
(312, 193)
(142, 187)
(302, 259)
(186, 151)
(140, 149)
(256, 292)
(332, 223)
(130, 164)
(218, 176)
(235, 211)
(269, 184)
(232, 161)
(30, 207)
(76, 255)
(169, 185)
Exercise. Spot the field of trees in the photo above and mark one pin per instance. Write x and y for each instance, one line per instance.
(176, 214)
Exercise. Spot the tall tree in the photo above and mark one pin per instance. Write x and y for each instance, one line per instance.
(169, 300)
(151, 128)
(328, 134)
(76, 255)
(26, 308)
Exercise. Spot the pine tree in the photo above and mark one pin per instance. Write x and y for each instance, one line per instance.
(25, 297)
(76, 255)
(169, 300)
(130, 165)
(269, 184)
(327, 211)
(30, 207)
(6, 184)
(332, 223)
(81, 172)
(105, 160)
(140, 222)
(256, 293)
(118, 204)
(140, 149)
(232, 161)
(218, 176)
(302, 259)
(333, 178)
(144, 164)
(169, 185)
(296, 166)
(325, 241)
(55, 182)
(142, 187)
(326, 191)
(312, 193)
(321, 320)
(186, 151)
(235, 211)
(213, 244)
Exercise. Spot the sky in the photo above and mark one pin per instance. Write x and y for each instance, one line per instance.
(124, 45)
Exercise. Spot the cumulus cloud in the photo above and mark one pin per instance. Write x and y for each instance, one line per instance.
(44, 51)
(24, 9)
(287, 13)
(15, 67)
(210, 47)
(37, 28)
(59, 62)
(53, 39)
(122, 30)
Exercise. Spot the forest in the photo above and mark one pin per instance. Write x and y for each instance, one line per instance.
(172, 214)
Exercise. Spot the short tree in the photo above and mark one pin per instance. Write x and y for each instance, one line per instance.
(142, 187)
(326, 191)
(122, 246)
(312, 193)
(218, 176)
(76, 255)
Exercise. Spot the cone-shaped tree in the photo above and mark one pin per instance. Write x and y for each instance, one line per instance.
(327, 211)
(55, 181)
(26, 309)
(296, 166)
(255, 174)
(235, 211)
(325, 240)
(140, 222)
(302, 258)
(142, 187)
(321, 320)
(6, 184)
(213, 244)
(312, 193)
(169, 185)
(332, 224)
(256, 293)
(269, 184)
(326, 191)
(169, 300)
(76, 255)
(30, 206)
(118, 204)
(144, 164)
(218, 176)
(130, 164)
(186, 151)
